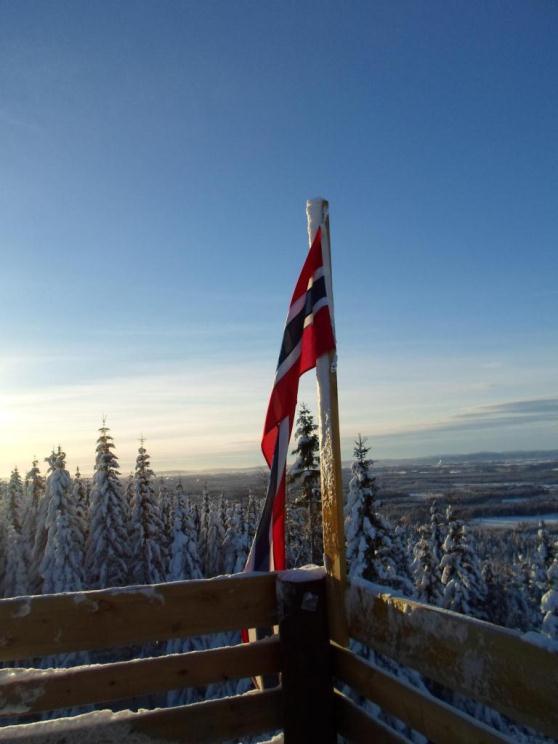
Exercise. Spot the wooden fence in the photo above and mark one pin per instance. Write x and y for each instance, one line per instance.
(319, 679)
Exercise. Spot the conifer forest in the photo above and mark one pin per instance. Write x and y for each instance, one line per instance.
(63, 533)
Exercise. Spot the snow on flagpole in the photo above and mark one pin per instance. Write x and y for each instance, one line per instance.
(317, 213)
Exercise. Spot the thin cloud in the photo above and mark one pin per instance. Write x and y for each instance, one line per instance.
(508, 414)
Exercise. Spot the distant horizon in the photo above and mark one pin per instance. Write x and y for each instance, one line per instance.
(513, 454)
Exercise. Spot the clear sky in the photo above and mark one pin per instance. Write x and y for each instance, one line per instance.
(155, 160)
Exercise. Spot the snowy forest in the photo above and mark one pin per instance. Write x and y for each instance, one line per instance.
(60, 533)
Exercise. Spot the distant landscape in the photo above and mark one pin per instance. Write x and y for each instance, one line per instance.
(511, 487)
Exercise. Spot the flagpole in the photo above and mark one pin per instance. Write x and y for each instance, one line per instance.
(317, 212)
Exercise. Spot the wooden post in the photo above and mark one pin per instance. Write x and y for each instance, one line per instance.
(307, 686)
(317, 211)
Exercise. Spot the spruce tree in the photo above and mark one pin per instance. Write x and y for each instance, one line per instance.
(41, 536)
(61, 568)
(34, 493)
(16, 576)
(81, 502)
(166, 505)
(541, 560)
(426, 567)
(305, 471)
(204, 531)
(464, 589)
(215, 537)
(16, 501)
(146, 526)
(373, 547)
(549, 601)
(108, 543)
(235, 542)
(184, 560)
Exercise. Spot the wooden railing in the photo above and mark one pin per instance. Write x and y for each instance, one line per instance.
(50, 625)
(484, 662)
(481, 661)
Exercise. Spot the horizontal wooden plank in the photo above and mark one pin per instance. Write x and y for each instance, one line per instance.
(109, 618)
(483, 661)
(29, 691)
(435, 719)
(200, 723)
(357, 726)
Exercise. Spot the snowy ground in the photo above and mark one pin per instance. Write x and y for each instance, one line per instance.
(511, 521)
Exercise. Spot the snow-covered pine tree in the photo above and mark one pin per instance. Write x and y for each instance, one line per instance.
(305, 471)
(426, 568)
(464, 589)
(184, 560)
(34, 492)
(16, 566)
(400, 554)
(108, 544)
(298, 546)
(41, 535)
(370, 537)
(215, 537)
(235, 543)
(81, 501)
(3, 538)
(519, 613)
(549, 601)
(166, 505)
(146, 526)
(16, 501)
(252, 514)
(184, 564)
(16, 577)
(61, 568)
(541, 560)
(203, 543)
(129, 492)
(438, 530)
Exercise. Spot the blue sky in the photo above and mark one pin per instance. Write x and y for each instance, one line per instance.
(155, 159)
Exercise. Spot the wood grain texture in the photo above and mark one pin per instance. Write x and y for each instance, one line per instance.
(200, 723)
(109, 618)
(485, 662)
(435, 719)
(27, 692)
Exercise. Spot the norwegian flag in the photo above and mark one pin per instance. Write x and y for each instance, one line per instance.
(308, 335)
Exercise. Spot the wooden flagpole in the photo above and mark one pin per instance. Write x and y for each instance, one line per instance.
(317, 212)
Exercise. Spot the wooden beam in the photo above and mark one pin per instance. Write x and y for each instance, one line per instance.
(485, 662)
(333, 521)
(305, 659)
(437, 720)
(357, 726)
(27, 692)
(110, 618)
(211, 721)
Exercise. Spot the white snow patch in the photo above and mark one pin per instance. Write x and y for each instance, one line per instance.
(82, 729)
(92, 605)
(23, 608)
(302, 574)
(149, 592)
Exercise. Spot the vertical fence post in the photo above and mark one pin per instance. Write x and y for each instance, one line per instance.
(308, 709)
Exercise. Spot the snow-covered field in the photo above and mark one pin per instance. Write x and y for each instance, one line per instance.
(513, 520)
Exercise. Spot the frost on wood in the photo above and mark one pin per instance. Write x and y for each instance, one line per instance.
(89, 728)
(302, 574)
